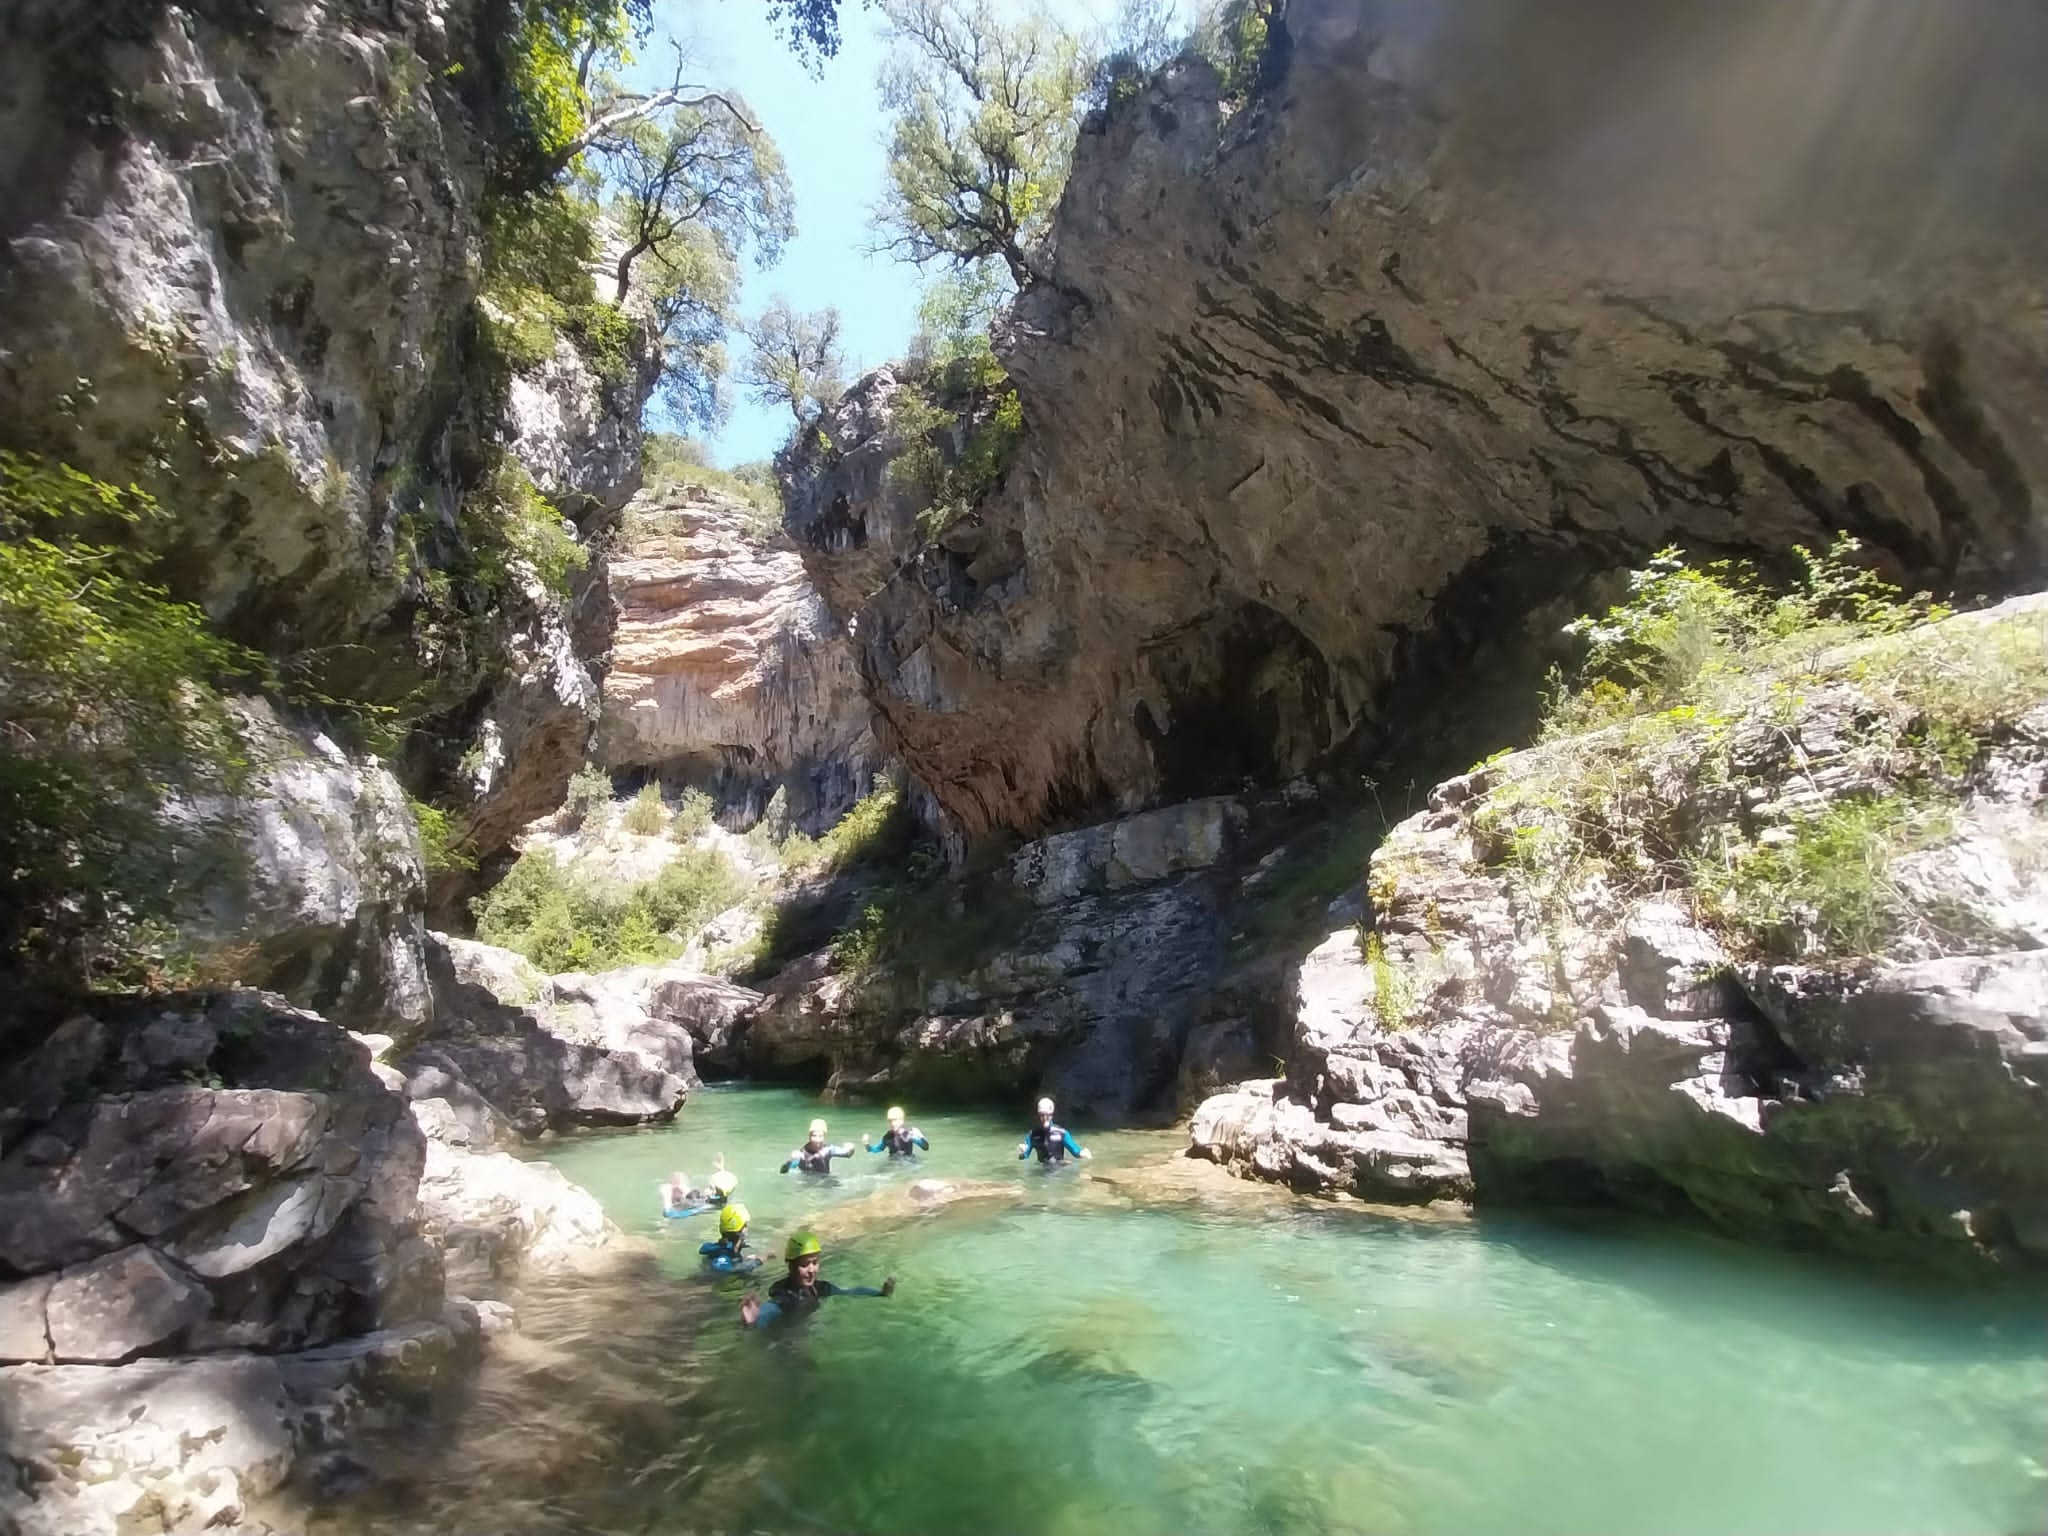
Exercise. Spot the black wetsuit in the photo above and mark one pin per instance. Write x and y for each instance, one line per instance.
(901, 1141)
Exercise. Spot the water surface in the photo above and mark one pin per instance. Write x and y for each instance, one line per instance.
(1090, 1351)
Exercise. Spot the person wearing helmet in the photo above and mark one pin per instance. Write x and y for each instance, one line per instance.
(729, 1254)
(1051, 1142)
(801, 1290)
(899, 1140)
(816, 1154)
(679, 1198)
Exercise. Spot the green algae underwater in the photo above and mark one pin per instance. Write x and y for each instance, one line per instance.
(1117, 1347)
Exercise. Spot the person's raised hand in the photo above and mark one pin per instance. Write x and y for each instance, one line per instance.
(750, 1309)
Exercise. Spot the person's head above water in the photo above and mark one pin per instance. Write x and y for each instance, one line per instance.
(679, 1179)
(724, 1182)
(817, 1133)
(895, 1115)
(804, 1253)
(1045, 1109)
(732, 1221)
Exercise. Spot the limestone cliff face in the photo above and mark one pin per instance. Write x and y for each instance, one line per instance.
(726, 667)
(1327, 395)
(239, 253)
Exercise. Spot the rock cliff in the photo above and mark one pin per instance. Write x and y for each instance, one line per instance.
(726, 669)
(1324, 395)
(1509, 1026)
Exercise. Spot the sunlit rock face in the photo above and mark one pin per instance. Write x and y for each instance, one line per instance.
(726, 667)
(1332, 402)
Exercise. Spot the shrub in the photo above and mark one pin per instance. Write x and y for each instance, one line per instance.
(951, 486)
(111, 694)
(562, 923)
(444, 845)
(645, 815)
(1393, 999)
(693, 816)
(508, 516)
(1677, 763)
(590, 793)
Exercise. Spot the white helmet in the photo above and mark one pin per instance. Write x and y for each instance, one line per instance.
(895, 1114)
(1045, 1106)
(818, 1128)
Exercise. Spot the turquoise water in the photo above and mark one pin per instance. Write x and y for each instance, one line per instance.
(1130, 1347)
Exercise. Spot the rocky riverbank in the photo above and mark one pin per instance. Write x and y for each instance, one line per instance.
(1517, 1020)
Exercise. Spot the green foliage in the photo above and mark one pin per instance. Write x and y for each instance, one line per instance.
(444, 845)
(1829, 876)
(878, 828)
(110, 702)
(670, 461)
(693, 816)
(645, 815)
(1683, 628)
(1686, 759)
(562, 923)
(507, 519)
(1233, 35)
(590, 794)
(984, 119)
(1393, 999)
(950, 485)
(794, 360)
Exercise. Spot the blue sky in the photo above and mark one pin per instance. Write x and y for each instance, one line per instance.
(831, 132)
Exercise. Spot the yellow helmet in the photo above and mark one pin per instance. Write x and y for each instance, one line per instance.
(732, 1219)
(724, 1182)
(802, 1246)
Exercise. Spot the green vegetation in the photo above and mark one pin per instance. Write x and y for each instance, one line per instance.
(112, 703)
(693, 816)
(645, 815)
(1773, 753)
(669, 462)
(877, 829)
(444, 844)
(1393, 999)
(507, 521)
(1234, 37)
(949, 485)
(589, 794)
(562, 923)
(985, 115)
(794, 360)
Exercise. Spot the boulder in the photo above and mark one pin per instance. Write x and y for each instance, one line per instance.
(496, 1217)
(124, 1304)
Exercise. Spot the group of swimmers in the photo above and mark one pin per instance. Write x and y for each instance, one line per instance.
(801, 1289)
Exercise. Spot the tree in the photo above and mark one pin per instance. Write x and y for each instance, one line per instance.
(794, 359)
(812, 26)
(1140, 39)
(985, 118)
(707, 171)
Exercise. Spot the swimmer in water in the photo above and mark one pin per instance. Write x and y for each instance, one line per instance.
(1051, 1142)
(729, 1254)
(801, 1290)
(899, 1141)
(816, 1154)
(678, 1198)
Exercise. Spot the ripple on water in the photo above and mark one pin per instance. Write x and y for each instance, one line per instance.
(1064, 1358)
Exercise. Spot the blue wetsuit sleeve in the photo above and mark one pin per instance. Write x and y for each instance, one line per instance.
(788, 1164)
(770, 1310)
(876, 1146)
(1027, 1149)
(920, 1143)
(1072, 1145)
(846, 1151)
(855, 1290)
